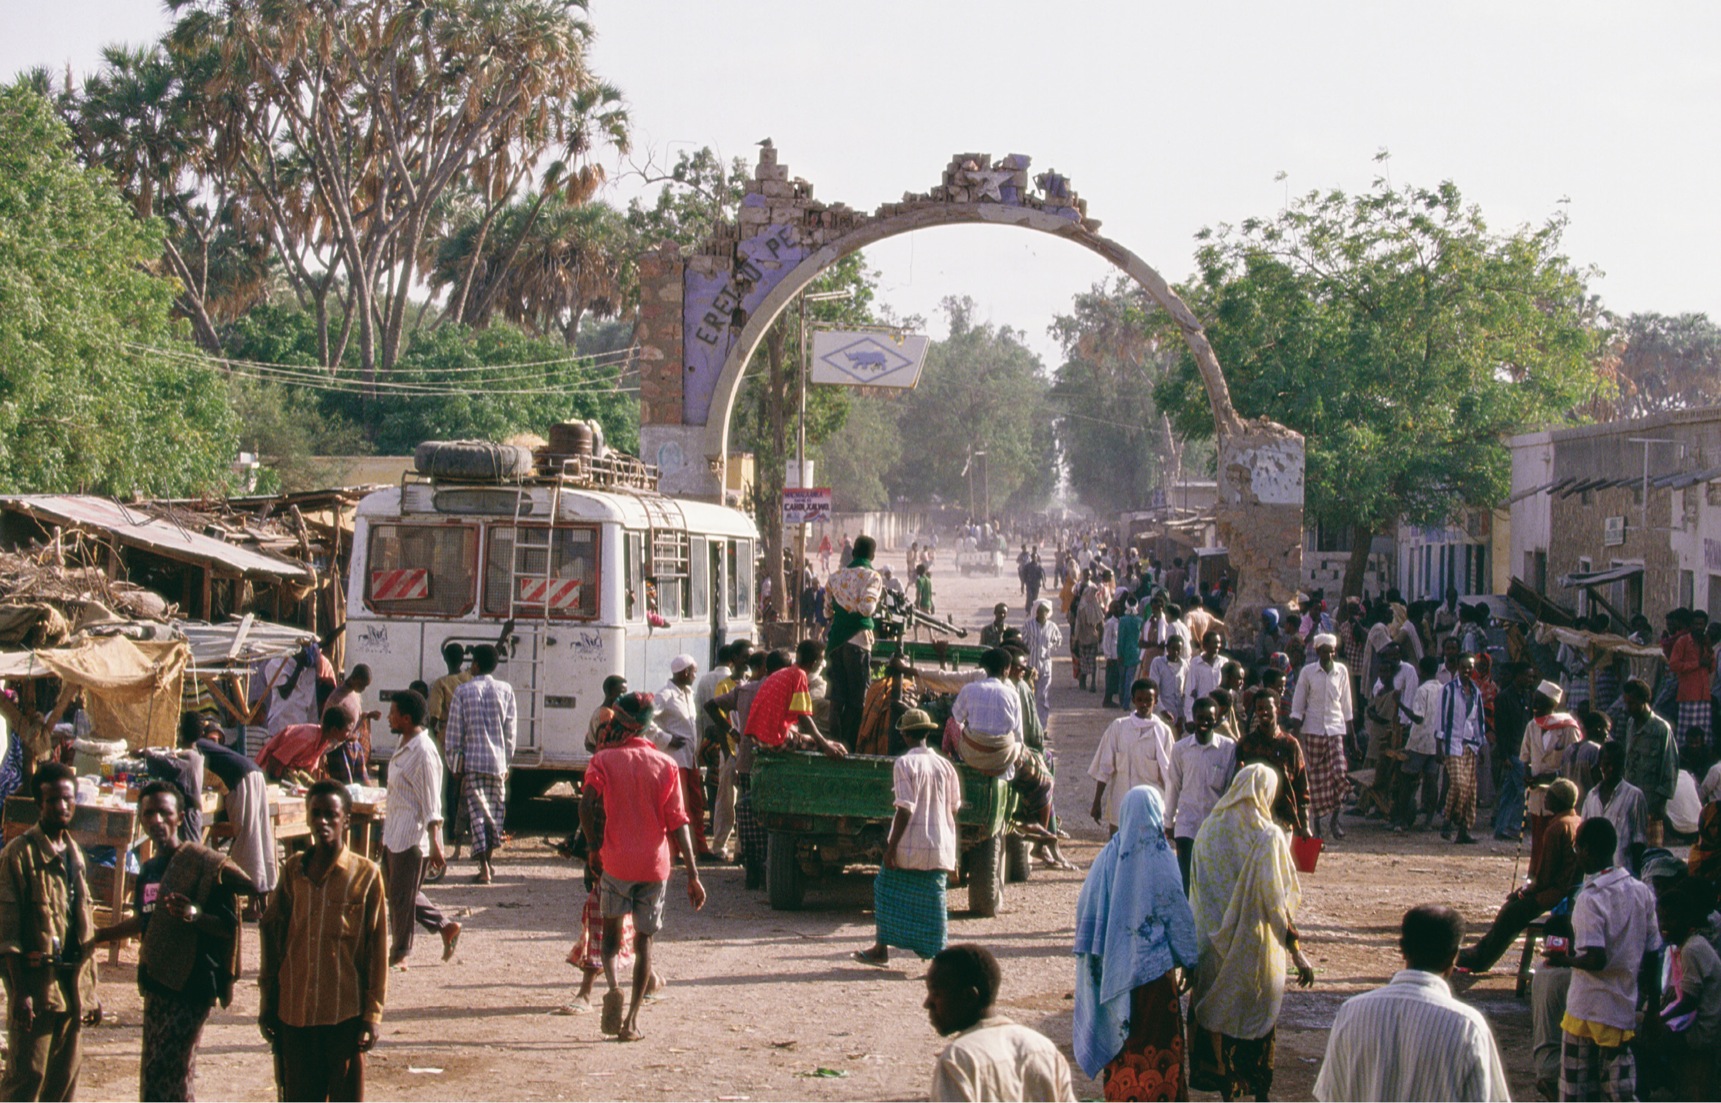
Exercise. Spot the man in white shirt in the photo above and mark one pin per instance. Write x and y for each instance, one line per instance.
(908, 893)
(1459, 733)
(1169, 674)
(677, 735)
(1135, 750)
(1413, 1039)
(989, 712)
(1206, 671)
(1322, 711)
(1620, 803)
(990, 1056)
(1421, 767)
(1614, 930)
(1202, 764)
(411, 839)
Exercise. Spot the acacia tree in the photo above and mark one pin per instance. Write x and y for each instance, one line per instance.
(1117, 445)
(1662, 362)
(349, 120)
(1401, 337)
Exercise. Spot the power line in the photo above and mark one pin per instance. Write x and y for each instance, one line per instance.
(320, 379)
(595, 359)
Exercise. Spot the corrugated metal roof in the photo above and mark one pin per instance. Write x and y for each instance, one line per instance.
(140, 529)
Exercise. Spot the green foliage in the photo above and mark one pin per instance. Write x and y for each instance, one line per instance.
(697, 194)
(82, 406)
(292, 437)
(484, 398)
(1401, 336)
(1117, 446)
(982, 391)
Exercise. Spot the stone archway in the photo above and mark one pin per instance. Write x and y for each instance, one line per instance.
(704, 313)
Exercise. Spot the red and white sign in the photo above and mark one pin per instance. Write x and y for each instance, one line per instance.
(554, 593)
(403, 584)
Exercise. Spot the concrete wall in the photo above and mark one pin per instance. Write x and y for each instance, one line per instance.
(1673, 531)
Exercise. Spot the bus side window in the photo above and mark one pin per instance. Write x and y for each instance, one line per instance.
(699, 570)
(633, 574)
(738, 563)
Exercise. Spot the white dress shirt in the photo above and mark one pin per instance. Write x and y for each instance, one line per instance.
(1132, 752)
(675, 718)
(1613, 912)
(1459, 728)
(1323, 699)
(1203, 678)
(997, 1058)
(1411, 1040)
(414, 795)
(1422, 739)
(1199, 776)
(1171, 678)
(929, 790)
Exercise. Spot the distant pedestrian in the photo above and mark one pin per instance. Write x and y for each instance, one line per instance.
(483, 724)
(990, 1057)
(412, 830)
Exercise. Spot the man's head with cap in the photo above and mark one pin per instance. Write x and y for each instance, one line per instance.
(916, 725)
(1548, 698)
(683, 669)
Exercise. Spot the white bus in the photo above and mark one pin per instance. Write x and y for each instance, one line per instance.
(595, 580)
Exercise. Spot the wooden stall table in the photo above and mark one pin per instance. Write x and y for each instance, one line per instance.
(111, 825)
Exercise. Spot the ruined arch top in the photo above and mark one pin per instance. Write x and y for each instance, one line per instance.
(703, 313)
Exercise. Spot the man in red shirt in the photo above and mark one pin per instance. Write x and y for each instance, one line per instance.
(637, 790)
(303, 746)
(782, 710)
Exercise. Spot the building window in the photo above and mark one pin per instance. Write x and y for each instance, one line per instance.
(1687, 589)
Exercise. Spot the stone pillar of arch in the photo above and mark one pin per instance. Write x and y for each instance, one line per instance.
(703, 313)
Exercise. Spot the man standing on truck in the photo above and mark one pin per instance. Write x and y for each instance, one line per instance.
(851, 598)
(908, 894)
(483, 723)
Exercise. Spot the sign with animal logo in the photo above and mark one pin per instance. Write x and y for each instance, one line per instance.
(868, 359)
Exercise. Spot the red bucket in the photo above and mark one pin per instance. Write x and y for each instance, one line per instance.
(1305, 852)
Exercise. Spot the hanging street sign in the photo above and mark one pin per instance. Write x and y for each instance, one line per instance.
(858, 358)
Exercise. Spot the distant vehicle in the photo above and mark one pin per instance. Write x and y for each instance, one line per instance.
(596, 573)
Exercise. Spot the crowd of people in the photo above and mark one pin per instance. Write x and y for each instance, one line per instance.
(1210, 786)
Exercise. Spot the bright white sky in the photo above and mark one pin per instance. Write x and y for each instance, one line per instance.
(1167, 118)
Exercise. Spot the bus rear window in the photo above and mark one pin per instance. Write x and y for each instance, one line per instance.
(422, 570)
(517, 584)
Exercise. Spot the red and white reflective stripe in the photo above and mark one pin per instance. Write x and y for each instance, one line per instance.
(555, 593)
(404, 584)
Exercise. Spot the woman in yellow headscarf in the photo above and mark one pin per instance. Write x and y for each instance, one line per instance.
(1245, 894)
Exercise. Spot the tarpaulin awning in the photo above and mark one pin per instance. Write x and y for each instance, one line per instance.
(221, 647)
(138, 528)
(131, 687)
(1587, 579)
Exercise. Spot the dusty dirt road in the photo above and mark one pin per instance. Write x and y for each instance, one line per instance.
(760, 1001)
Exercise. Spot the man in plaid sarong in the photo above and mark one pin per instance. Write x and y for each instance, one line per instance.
(908, 895)
(1322, 711)
(483, 723)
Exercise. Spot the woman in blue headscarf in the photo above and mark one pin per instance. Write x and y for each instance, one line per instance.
(1134, 929)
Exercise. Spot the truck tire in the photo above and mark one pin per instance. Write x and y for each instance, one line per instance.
(1018, 863)
(986, 878)
(472, 460)
(784, 881)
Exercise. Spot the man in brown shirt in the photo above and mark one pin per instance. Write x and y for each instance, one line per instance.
(45, 926)
(1554, 874)
(324, 974)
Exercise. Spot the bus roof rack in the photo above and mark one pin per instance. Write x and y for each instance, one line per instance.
(613, 471)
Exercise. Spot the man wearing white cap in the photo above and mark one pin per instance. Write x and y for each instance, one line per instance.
(1321, 713)
(677, 736)
(1546, 738)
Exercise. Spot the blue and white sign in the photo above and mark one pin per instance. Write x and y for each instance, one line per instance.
(862, 359)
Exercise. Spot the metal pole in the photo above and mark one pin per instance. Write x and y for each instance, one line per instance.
(801, 469)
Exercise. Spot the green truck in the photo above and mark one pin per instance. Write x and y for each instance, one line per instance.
(821, 814)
